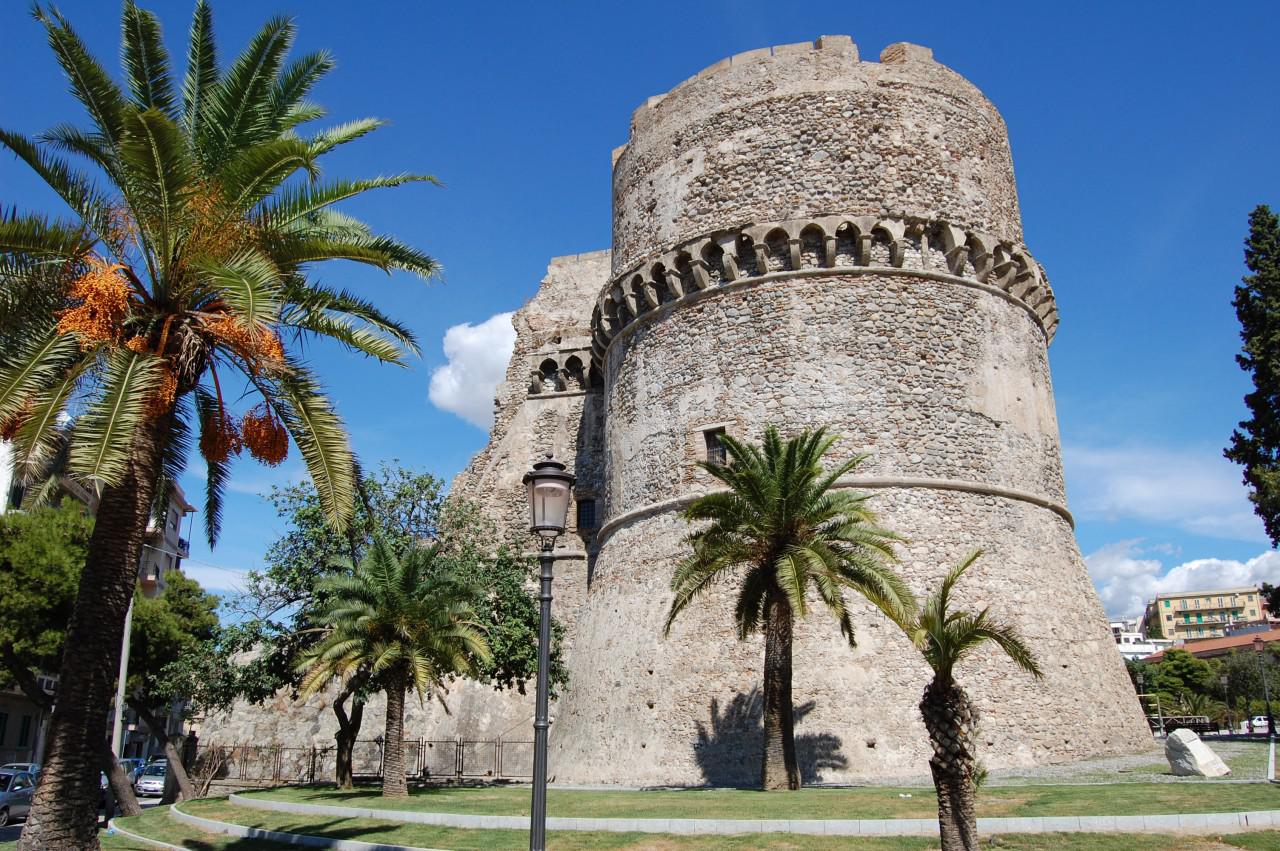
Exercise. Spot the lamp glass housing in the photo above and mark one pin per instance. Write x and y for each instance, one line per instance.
(550, 488)
(1259, 645)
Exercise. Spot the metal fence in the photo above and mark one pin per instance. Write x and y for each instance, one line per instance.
(425, 759)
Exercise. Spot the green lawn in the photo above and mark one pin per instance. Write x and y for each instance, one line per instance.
(853, 803)
(372, 830)
(156, 824)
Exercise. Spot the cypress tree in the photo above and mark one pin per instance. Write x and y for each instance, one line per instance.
(1255, 445)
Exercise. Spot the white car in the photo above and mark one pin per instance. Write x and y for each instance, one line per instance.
(1258, 722)
(151, 780)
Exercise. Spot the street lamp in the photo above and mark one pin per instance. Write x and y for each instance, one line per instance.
(1260, 647)
(1226, 697)
(549, 488)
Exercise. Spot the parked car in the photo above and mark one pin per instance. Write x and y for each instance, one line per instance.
(132, 767)
(15, 794)
(151, 781)
(32, 768)
(1258, 722)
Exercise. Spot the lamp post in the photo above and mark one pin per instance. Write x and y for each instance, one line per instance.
(1226, 697)
(1259, 648)
(549, 488)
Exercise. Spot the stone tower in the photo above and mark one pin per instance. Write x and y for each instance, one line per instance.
(802, 238)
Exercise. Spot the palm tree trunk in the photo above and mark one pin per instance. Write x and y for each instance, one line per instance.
(779, 770)
(64, 811)
(394, 784)
(952, 720)
(348, 730)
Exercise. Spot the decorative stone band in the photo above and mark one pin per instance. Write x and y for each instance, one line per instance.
(830, 245)
(868, 482)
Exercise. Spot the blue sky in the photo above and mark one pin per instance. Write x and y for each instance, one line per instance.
(1142, 136)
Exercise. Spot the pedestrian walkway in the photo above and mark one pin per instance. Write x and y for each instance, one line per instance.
(1169, 823)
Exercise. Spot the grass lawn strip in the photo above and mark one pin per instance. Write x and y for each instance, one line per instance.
(855, 803)
(373, 830)
(155, 823)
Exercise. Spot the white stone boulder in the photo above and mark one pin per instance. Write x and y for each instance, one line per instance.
(1190, 757)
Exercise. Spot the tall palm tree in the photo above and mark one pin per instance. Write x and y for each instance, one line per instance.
(945, 637)
(408, 622)
(782, 532)
(187, 260)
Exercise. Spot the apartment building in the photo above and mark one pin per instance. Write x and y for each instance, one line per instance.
(1191, 615)
(164, 547)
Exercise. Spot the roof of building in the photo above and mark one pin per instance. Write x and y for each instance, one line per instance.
(1209, 592)
(1220, 646)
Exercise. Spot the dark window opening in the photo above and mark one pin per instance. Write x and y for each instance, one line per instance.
(714, 445)
(586, 514)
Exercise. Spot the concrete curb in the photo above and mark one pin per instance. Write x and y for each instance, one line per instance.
(287, 838)
(145, 840)
(1182, 823)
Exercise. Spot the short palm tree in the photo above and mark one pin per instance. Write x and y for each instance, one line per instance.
(196, 223)
(408, 622)
(782, 532)
(946, 637)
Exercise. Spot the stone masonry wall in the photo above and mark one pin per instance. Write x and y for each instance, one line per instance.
(553, 324)
(800, 238)
(807, 129)
(803, 239)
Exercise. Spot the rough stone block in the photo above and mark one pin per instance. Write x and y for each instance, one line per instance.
(1190, 757)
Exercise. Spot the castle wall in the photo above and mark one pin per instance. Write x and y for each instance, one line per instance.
(552, 325)
(802, 239)
(792, 131)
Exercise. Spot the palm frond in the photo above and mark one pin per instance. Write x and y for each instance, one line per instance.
(318, 432)
(202, 68)
(237, 113)
(249, 283)
(102, 445)
(74, 188)
(41, 363)
(146, 62)
(90, 83)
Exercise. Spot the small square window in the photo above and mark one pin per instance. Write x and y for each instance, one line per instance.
(714, 446)
(586, 514)
(1168, 603)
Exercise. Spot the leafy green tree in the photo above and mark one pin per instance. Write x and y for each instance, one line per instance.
(197, 222)
(402, 621)
(1270, 595)
(165, 629)
(41, 555)
(945, 637)
(780, 532)
(278, 617)
(1179, 673)
(1255, 445)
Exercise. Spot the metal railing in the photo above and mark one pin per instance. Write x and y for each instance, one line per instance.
(424, 759)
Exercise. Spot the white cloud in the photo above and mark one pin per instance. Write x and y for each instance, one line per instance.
(1126, 580)
(478, 356)
(1197, 491)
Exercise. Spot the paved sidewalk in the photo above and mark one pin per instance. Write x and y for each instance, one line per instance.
(1188, 823)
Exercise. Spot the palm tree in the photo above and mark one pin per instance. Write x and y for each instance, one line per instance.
(187, 260)
(407, 621)
(945, 638)
(781, 532)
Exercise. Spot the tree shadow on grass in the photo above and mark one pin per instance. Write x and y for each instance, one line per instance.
(730, 746)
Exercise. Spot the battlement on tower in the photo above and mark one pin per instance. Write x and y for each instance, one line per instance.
(833, 51)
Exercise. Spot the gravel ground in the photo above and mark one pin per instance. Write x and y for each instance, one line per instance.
(1247, 760)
